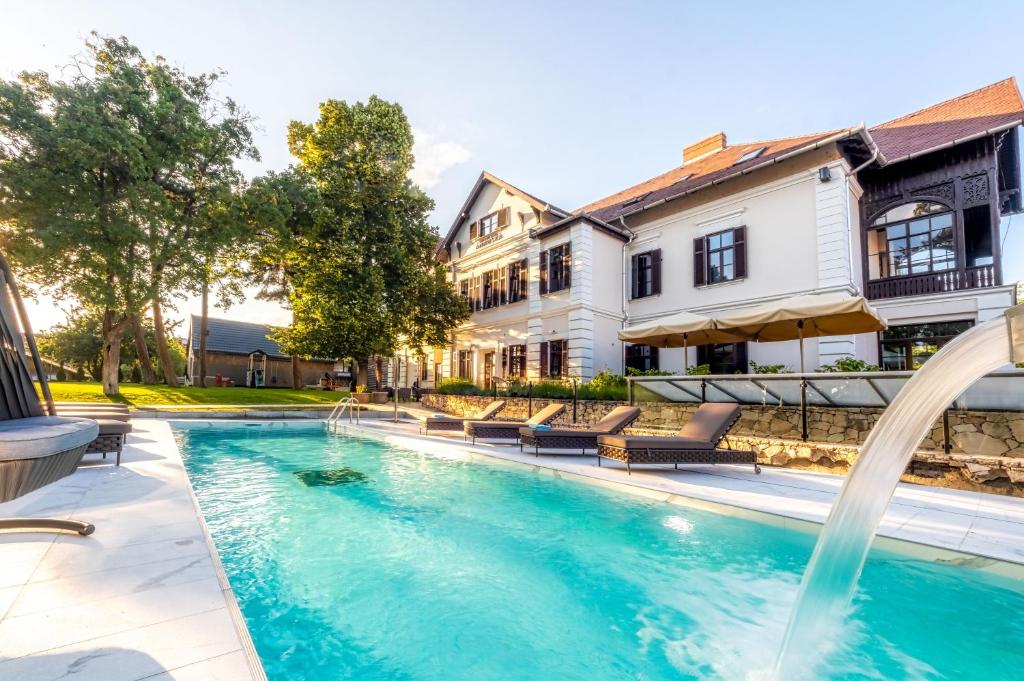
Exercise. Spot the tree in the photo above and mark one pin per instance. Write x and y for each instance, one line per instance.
(75, 171)
(112, 180)
(354, 252)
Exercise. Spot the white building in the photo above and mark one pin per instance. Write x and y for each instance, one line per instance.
(907, 213)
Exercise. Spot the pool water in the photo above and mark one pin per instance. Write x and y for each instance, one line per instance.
(354, 559)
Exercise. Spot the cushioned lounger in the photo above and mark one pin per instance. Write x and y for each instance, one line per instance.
(697, 442)
(510, 429)
(443, 422)
(578, 438)
(114, 428)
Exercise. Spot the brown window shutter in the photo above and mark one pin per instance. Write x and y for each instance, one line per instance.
(739, 240)
(567, 264)
(504, 361)
(634, 276)
(524, 279)
(699, 262)
(503, 217)
(565, 359)
(656, 271)
(544, 359)
(473, 229)
(544, 272)
(478, 291)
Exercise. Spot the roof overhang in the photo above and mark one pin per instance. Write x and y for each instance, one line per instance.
(567, 222)
(482, 181)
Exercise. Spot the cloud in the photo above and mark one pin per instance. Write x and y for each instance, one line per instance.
(434, 157)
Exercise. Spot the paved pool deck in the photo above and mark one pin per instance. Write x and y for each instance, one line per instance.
(145, 597)
(142, 598)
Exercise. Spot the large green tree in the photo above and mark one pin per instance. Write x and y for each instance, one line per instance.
(115, 185)
(356, 258)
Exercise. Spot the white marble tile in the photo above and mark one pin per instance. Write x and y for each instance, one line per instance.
(33, 633)
(38, 596)
(160, 651)
(7, 597)
(83, 555)
(230, 667)
(16, 572)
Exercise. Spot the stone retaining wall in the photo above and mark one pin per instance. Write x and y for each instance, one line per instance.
(987, 447)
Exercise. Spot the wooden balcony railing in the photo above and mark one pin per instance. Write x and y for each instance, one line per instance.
(981, 276)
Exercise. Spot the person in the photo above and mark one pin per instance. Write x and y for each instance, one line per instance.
(416, 390)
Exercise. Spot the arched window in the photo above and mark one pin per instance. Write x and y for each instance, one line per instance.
(911, 238)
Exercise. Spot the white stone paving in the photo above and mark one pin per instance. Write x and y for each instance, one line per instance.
(142, 598)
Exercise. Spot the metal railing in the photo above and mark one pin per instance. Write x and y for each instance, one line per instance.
(349, 404)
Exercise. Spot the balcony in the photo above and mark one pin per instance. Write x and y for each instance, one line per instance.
(982, 276)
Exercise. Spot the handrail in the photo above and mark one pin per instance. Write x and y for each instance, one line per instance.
(339, 410)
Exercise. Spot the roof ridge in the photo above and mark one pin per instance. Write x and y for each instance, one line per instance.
(945, 102)
(789, 137)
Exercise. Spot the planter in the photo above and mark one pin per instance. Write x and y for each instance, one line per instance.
(380, 397)
(362, 398)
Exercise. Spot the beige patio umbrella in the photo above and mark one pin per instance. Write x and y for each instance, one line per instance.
(799, 317)
(681, 330)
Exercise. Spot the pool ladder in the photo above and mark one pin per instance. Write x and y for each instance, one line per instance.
(349, 404)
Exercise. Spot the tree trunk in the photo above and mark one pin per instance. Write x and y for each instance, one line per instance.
(111, 353)
(162, 351)
(378, 372)
(203, 331)
(296, 373)
(142, 352)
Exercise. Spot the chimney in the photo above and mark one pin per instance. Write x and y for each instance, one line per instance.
(706, 146)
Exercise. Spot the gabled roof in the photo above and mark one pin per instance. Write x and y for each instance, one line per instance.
(237, 338)
(985, 111)
(705, 171)
(969, 115)
(482, 181)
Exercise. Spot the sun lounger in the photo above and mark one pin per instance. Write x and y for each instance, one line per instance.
(443, 422)
(697, 442)
(578, 438)
(501, 430)
(113, 421)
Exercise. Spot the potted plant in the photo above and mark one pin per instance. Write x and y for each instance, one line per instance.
(380, 396)
(362, 397)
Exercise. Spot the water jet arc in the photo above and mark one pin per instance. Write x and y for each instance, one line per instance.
(830, 579)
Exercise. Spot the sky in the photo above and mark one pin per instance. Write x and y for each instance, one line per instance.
(570, 101)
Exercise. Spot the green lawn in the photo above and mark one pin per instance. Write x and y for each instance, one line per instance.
(146, 395)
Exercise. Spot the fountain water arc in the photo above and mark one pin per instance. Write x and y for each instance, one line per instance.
(830, 579)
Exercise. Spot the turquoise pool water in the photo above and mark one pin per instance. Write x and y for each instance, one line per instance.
(353, 559)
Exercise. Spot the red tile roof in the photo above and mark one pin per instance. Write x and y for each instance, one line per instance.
(976, 112)
(968, 115)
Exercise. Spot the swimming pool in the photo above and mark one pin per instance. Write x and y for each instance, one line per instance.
(354, 559)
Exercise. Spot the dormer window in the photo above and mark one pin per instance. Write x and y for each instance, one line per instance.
(752, 154)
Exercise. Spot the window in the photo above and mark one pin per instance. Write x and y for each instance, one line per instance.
(424, 369)
(464, 292)
(466, 364)
(719, 257)
(554, 359)
(646, 274)
(725, 358)
(514, 359)
(556, 268)
(641, 357)
(908, 346)
(517, 281)
(753, 153)
(490, 224)
(913, 238)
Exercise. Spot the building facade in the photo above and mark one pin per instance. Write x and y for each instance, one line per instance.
(907, 213)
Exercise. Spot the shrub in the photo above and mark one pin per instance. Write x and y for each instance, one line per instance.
(769, 368)
(552, 389)
(699, 370)
(630, 371)
(459, 386)
(844, 364)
